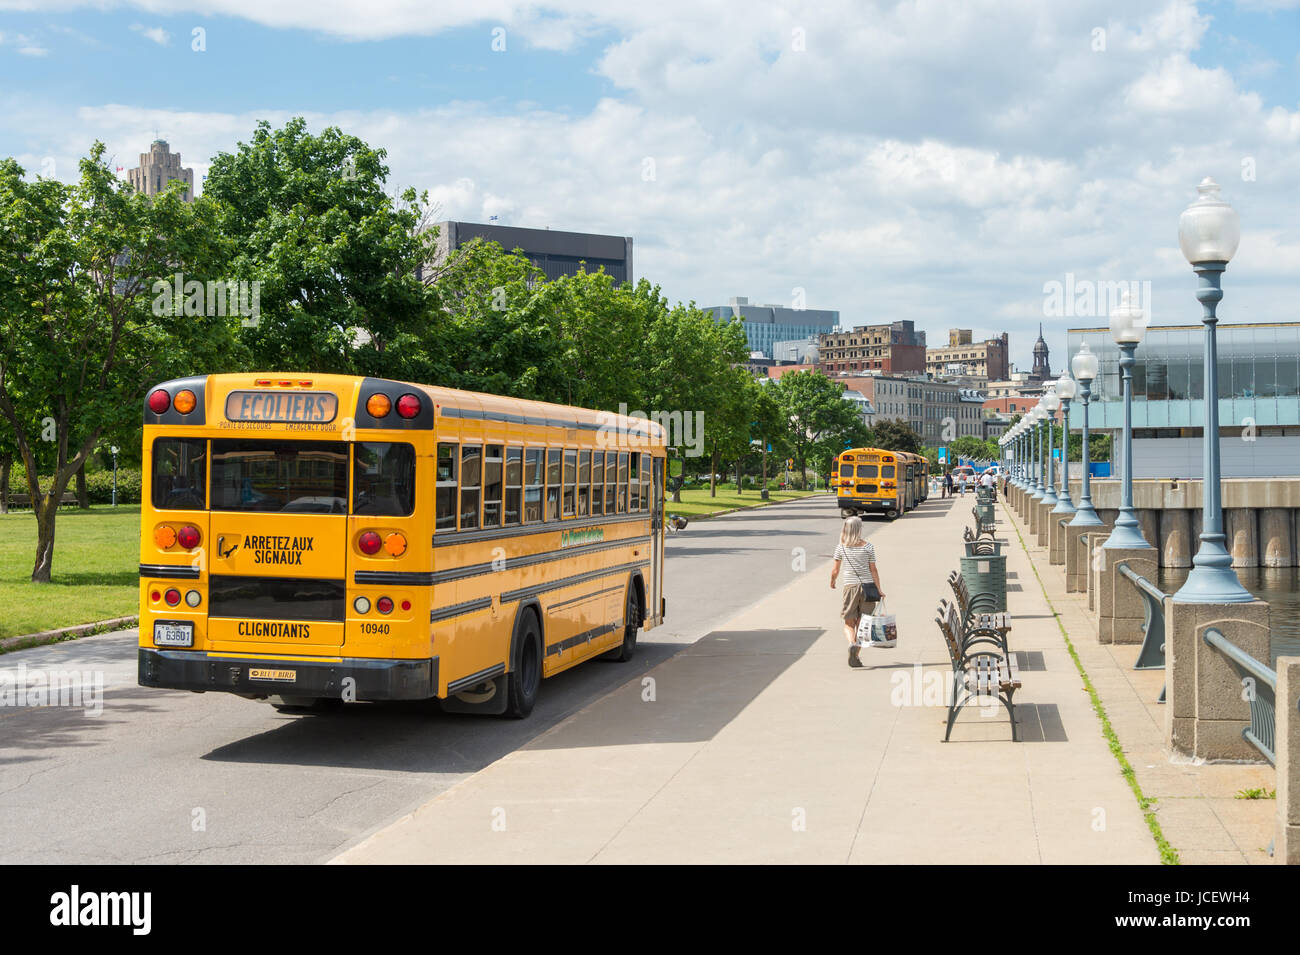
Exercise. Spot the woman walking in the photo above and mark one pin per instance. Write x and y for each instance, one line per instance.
(862, 590)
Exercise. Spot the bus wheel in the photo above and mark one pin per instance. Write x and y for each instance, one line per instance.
(631, 623)
(892, 513)
(523, 681)
(846, 512)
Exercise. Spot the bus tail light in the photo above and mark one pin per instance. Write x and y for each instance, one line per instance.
(378, 406)
(384, 605)
(173, 597)
(193, 598)
(395, 544)
(406, 605)
(369, 542)
(361, 605)
(408, 406)
(164, 536)
(159, 401)
(188, 537)
(184, 401)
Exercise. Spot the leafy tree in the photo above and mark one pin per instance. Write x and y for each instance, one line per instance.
(337, 257)
(817, 416)
(82, 334)
(896, 435)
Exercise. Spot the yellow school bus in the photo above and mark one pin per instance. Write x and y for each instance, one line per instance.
(315, 539)
(872, 480)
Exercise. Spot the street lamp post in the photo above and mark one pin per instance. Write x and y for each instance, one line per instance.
(1039, 414)
(1085, 370)
(1051, 401)
(1208, 234)
(1128, 325)
(1065, 391)
(114, 449)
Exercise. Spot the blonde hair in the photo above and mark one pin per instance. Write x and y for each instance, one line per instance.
(851, 532)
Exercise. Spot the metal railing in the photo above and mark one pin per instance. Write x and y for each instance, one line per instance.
(1259, 688)
(1152, 654)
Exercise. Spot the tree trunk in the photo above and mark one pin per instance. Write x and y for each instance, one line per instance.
(45, 510)
(713, 471)
(83, 496)
(6, 463)
(763, 493)
(738, 487)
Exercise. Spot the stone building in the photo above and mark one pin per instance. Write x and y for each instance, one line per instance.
(961, 357)
(158, 168)
(893, 349)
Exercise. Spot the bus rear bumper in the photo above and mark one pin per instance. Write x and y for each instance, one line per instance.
(262, 676)
(863, 504)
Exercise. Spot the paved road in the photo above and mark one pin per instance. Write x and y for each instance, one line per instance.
(163, 776)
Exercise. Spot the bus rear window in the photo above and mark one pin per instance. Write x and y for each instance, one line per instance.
(179, 473)
(383, 479)
(887, 471)
(308, 477)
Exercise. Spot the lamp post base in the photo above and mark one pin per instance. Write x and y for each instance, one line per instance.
(1212, 581)
(1126, 537)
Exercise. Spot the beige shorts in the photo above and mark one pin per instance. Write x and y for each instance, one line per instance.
(855, 604)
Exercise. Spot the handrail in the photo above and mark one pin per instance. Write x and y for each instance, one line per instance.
(1152, 654)
(1262, 732)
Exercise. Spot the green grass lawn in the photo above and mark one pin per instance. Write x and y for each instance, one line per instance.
(96, 569)
(697, 503)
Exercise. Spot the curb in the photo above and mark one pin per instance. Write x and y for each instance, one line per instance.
(27, 640)
(745, 507)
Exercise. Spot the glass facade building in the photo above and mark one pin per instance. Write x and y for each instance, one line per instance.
(1258, 395)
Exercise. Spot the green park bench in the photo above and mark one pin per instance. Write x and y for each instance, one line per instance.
(977, 674)
(69, 499)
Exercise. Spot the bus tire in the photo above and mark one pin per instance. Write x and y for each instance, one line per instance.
(892, 513)
(631, 624)
(846, 512)
(525, 677)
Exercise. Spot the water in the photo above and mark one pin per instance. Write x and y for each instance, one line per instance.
(1280, 586)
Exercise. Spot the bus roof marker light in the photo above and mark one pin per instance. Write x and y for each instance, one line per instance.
(184, 401)
(378, 405)
(408, 406)
(159, 401)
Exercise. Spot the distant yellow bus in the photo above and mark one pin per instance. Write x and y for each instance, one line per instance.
(312, 539)
(871, 480)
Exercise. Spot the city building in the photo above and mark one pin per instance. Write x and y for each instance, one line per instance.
(1017, 383)
(995, 426)
(940, 412)
(1042, 370)
(1259, 398)
(799, 351)
(1009, 405)
(555, 252)
(893, 349)
(776, 371)
(158, 168)
(765, 325)
(988, 360)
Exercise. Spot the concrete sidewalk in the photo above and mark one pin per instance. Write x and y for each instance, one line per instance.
(1195, 803)
(759, 744)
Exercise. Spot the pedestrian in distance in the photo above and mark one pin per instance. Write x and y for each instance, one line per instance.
(862, 589)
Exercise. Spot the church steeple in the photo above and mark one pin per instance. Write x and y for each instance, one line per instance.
(1042, 367)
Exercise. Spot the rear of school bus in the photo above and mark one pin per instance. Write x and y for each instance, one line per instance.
(280, 524)
(869, 482)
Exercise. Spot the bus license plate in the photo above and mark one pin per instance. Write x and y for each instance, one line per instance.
(171, 634)
(287, 676)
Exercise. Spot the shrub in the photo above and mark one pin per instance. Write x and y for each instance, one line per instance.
(99, 485)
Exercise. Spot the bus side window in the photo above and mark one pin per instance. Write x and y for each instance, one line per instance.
(570, 478)
(634, 489)
(534, 485)
(584, 481)
(471, 474)
(598, 482)
(514, 482)
(611, 480)
(622, 482)
(492, 486)
(552, 484)
(645, 482)
(445, 489)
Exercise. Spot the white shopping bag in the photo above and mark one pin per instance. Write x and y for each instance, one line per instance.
(878, 629)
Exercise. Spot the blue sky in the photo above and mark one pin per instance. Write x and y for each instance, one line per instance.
(939, 162)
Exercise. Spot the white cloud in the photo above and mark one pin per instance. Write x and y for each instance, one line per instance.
(937, 162)
(157, 34)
